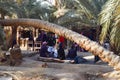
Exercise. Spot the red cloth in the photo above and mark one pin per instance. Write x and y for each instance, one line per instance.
(61, 39)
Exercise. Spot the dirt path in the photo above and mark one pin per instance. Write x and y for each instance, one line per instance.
(31, 69)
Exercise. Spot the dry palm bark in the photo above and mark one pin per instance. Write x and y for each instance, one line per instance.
(93, 47)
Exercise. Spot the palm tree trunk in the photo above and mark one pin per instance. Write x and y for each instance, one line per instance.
(87, 44)
(13, 37)
(2, 16)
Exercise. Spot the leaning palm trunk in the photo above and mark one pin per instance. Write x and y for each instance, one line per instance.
(12, 40)
(87, 44)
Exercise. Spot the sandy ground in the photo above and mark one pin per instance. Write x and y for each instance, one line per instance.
(31, 69)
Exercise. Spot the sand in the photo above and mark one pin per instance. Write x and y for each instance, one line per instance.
(31, 69)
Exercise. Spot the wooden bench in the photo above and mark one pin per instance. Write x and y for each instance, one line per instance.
(37, 45)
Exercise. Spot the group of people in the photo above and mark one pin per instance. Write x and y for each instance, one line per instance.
(49, 49)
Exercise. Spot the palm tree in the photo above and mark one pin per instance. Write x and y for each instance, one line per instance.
(5, 10)
(109, 19)
(84, 42)
(84, 11)
(78, 14)
(25, 9)
(33, 9)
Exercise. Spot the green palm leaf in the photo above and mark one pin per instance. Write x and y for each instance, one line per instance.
(109, 18)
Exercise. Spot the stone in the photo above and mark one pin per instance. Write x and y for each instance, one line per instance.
(15, 56)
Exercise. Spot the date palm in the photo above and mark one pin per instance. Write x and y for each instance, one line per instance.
(109, 19)
(74, 11)
(87, 11)
(5, 10)
(24, 9)
(84, 42)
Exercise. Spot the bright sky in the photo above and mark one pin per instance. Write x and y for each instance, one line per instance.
(51, 1)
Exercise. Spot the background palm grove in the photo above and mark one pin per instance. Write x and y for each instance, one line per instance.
(73, 14)
(67, 18)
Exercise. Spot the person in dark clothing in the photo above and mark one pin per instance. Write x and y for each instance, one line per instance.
(14, 42)
(51, 43)
(72, 53)
(78, 60)
(51, 39)
(31, 39)
(61, 52)
(96, 58)
(43, 51)
(42, 37)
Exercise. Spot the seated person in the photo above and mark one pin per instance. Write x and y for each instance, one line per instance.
(42, 37)
(72, 53)
(43, 51)
(51, 45)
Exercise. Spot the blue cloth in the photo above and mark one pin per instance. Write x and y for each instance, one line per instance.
(79, 60)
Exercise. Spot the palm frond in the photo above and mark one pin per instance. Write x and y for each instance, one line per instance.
(109, 18)
(106, 17)
(73, 16)
(74, 11)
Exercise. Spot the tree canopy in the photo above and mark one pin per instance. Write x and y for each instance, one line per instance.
(75, 13)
